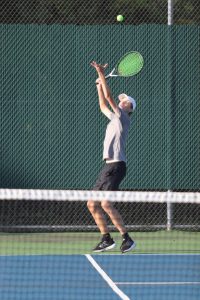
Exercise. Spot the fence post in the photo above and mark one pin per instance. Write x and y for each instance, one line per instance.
(170, 22)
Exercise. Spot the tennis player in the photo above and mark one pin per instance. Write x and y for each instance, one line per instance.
(115, 162)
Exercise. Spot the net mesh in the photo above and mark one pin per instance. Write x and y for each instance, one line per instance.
(130, 65)
(60, 210)
(67, 210)
(55, 210)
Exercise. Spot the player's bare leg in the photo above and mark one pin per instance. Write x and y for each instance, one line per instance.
(127, 243)
(97, 213)
(114, 215)
(107, 242)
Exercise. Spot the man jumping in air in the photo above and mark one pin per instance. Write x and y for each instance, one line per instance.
(115, 162)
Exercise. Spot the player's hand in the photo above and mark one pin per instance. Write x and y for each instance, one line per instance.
(99, 67)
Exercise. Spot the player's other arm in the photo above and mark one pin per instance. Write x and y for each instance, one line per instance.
(102, 101)
(107, 93)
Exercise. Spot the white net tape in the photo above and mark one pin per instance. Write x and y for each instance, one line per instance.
(115, 196)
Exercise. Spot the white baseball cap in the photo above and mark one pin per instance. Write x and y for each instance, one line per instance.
(123, 97)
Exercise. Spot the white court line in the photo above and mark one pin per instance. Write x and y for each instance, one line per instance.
(107, 278)
(160, 283)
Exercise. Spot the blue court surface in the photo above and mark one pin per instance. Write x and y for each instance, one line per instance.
(100, 277)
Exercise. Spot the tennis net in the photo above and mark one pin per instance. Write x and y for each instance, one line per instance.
(66, 210)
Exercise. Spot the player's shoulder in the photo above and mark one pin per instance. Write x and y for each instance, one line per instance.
(117, 112)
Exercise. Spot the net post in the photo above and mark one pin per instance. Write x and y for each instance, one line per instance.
(169, 211)
(169, 216)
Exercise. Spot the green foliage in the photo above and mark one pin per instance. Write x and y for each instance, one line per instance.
(98, 12)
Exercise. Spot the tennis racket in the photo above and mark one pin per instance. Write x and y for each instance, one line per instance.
(130, 64)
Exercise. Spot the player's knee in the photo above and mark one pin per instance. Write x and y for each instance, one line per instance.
(106, 205)
(92, 205)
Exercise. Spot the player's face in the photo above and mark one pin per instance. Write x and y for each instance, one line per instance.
(125, 105)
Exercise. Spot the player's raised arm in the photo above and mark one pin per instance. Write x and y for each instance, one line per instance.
(105, 88)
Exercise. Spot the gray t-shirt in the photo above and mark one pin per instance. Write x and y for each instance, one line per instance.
(116, 135)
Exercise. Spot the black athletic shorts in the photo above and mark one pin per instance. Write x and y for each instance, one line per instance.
(111, 176)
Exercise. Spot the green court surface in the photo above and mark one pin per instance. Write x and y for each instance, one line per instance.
(83, 242)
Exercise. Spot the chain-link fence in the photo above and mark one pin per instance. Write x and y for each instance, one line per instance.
(51, 128)
(99, 12)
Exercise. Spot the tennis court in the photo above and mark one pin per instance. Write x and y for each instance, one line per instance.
(140, 277)
(165, 265)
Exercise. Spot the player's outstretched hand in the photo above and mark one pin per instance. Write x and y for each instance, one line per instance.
(99, 67)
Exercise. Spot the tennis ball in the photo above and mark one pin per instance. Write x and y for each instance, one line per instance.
(120, 18)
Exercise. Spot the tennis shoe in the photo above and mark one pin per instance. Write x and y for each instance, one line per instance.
(104, 245)
(127, 245)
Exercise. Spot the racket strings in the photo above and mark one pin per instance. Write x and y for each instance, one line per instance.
(130, 64)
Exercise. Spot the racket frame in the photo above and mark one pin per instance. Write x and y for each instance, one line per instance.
(116, 75)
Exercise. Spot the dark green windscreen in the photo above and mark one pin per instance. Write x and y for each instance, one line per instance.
(52, 130)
